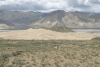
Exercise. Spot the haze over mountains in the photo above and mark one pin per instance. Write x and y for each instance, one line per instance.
(23, 20)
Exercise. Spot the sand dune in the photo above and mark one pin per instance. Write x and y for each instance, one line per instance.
(43, 34)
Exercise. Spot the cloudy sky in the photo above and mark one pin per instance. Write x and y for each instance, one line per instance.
(51, 5)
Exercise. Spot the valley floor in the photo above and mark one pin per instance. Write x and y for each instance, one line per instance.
(50, 53)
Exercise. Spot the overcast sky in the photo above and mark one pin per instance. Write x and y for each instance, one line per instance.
(51, 5)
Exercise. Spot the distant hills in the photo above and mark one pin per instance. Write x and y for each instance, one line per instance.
(18, 19)
(24, 20)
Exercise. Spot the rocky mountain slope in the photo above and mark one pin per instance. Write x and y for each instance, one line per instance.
(61, 18)
(5, 25)
(18, 19)
(24, 20)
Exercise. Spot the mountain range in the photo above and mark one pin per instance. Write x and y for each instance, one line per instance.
(23, 20)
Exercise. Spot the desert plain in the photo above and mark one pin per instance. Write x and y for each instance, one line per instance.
(46, 48)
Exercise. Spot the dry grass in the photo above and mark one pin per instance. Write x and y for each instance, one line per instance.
(41, 53)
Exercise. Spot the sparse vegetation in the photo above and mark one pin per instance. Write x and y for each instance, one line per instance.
(59, 29)
(4, 56)
(96, 38)
(30, 53)
(10, 66)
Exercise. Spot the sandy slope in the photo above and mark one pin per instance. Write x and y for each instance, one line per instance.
(43, 34)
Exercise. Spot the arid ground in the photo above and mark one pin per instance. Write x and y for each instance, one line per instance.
(50, 53)
(45, 48)
(44, 34)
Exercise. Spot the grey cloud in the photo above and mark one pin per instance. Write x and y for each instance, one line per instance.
(82, 6)
(25, 6)
(94, 1)
(75, 4)
(72, 2)
(34, 5)
(2, 0)
(49, 5)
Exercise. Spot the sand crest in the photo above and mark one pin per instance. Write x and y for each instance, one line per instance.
(43, 34)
